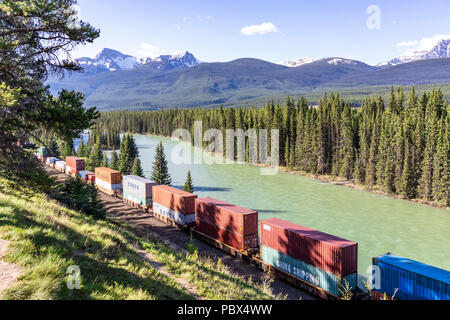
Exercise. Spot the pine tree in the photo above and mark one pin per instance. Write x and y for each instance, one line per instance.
(53, 146)
(440, 182)
(67, 149)
(137, 168)
(188, 185)
(95, 204)
(105, 162)
(128, 152)
(286, 154)
(124, 156)
(160, 172)
(406, 184)
(95, 158)
(82, 150)
(114, 163)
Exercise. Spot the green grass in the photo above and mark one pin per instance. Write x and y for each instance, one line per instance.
(46, 238)
(212, 279)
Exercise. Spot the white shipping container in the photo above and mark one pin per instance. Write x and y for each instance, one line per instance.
(139, 186)
(60, 165)
(52, 160)
(108, 186)
(173, 214)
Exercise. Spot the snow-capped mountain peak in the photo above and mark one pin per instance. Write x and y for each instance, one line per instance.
(177, 60)
(339, 61)
(440, 50)
(109, 59)
(113, 60)
(297, 62)
(330, 60)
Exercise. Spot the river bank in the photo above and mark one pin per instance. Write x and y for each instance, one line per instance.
(334, 180)
(339, 181)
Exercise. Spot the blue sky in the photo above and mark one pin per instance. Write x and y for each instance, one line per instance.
(276, 30)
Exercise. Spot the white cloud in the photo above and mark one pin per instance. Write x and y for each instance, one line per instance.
(411, 43)
(429, 43)
(424, 44)
(262, 28)
(148, 50)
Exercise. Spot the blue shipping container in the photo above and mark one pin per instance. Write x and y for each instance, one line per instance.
(83, 173)
(412, 279)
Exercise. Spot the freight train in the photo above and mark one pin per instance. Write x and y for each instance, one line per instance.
(321, 263)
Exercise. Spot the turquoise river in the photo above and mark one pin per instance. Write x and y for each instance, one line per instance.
(379, 224)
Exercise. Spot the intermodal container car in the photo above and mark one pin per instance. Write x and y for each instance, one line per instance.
(108, 186)
(51, 161)
(230, 224)
(108, 179)
(108, 175)
(411, 280)
(174, 204)
(87, 175)
(322, 250)
(138, 189)
(325, 280)
(60, 165)
(76, 164)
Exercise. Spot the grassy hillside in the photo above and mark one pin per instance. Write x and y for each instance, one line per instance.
(46, 238)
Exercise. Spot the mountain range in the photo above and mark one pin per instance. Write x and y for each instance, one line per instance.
(113, 60)
(113, 80)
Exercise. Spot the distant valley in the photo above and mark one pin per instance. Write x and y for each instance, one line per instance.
(113, 80)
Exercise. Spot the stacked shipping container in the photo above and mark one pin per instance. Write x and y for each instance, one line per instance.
(74, 165)
(313, 256)
(51, 161)
(411, 280)
(174, 204)
(87, 175)
(138, 189)
(60, 166)
(108, 179)
(227, 223)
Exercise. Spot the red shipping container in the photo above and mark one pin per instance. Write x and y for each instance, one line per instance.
(325, 251)
(230, 238)
(227, 223)
(75, 163)
(174, 199)
(90, 177)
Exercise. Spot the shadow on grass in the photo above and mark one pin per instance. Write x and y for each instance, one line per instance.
(109, 268)
(203, 272)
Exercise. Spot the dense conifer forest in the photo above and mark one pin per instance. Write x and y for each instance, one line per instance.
(399, 146)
